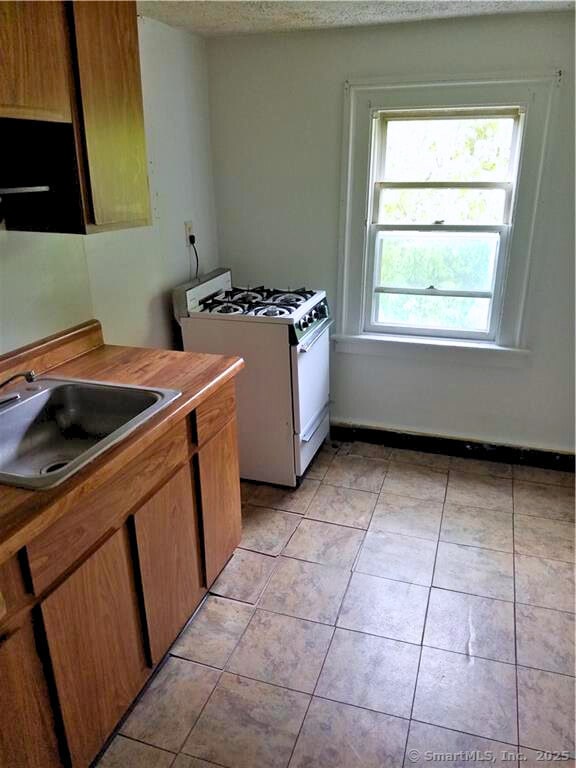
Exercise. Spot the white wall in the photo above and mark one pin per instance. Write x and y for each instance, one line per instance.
(276, 113)
(43, 286)
(132, 272)
(124, 278)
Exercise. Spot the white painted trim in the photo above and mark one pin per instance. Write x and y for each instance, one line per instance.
(433, 292)
(520, 328)
(344, 212)
(443, 184)
(467, 351)
(400, 80)
(510, 315)
(498, 228)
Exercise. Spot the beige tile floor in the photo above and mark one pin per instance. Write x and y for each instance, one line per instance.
(397, 605)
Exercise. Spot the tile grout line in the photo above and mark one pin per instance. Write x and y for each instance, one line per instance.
(202, 708)
(197, 719)
(316, 683)
(324, 698)
(311, 699)
(312, 695)
(425, 620)
(334, 627)
(465, 733)
(369, 634)
(360, 549)
(138, 741)
(401, 581)
(299, 731)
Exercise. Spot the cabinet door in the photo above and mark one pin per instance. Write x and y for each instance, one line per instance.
(94, 635)
(220, 489)
(27, 737)
(169, 554)
(111, 104)
(34, 61)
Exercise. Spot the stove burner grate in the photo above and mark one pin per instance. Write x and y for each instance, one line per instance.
(293, 298)
(223, 307)
(260, 301)
(245, 295)
(270, 310)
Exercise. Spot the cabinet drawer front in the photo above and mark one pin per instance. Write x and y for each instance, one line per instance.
(96, 646)
(105, 509)
(215, 412)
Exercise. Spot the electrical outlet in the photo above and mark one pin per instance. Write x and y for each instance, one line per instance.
(189, 231)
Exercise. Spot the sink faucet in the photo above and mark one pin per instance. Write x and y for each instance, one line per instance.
(30, 376)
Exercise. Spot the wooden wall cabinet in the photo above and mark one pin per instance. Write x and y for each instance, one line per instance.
(170, 560)
(35, 61)
(76, 64)
(110, 99)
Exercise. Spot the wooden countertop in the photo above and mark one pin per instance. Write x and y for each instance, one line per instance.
(26, 513)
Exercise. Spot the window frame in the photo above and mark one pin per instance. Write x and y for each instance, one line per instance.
(365, 102)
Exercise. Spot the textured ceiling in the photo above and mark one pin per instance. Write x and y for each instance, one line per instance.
(218, 17)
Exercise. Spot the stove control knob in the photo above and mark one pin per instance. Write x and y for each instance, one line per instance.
(303, 324)
(314, 314)
(323, 310)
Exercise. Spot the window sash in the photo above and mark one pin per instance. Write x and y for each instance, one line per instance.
(434, 292)
(507, 186)
(451, 113)
(500, 229)
(373, 287)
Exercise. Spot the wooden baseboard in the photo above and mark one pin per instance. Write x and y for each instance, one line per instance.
(505, 454)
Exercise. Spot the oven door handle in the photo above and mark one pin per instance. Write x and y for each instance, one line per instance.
(307, 347)
(309, 434)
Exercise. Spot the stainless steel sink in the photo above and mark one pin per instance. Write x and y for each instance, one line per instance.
(57, 426)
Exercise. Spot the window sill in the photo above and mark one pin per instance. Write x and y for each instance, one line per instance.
(434, 349)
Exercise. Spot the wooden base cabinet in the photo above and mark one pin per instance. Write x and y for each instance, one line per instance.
(108, 587)
(169, 558)
(27, 736)
(95, 640)
(220, 492)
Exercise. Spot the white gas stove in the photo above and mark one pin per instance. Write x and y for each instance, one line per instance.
(283, 392)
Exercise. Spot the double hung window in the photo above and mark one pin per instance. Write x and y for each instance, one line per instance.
(441, 200)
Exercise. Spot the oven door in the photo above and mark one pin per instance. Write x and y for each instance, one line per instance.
(310, 395)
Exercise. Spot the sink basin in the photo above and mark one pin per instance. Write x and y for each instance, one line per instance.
(57, 426)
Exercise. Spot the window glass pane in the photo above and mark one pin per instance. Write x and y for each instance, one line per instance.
(470, 149)
(449, 206)
(448, 261)
(433, 312)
